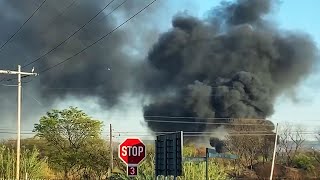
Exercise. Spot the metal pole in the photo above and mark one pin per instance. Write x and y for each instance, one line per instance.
(18, 124)
(274, 152)
(207, 154)
(111, 149)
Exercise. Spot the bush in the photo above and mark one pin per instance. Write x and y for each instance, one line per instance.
(303, 161)
(31, 164)
(192, 170)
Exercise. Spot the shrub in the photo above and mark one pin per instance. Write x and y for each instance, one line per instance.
(303, 161)
(31, 164)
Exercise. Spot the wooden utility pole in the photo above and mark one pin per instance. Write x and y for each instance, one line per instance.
(111, 150)
(19, 73)
(274, 152)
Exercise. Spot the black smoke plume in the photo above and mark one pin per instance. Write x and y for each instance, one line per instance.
(103, 71)
(218, 144)
(231, 65)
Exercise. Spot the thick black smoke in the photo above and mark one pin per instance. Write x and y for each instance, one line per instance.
(218, 144)
(104, 71)
(232, 65)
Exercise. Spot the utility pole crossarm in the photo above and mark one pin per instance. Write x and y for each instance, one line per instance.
(17, 72)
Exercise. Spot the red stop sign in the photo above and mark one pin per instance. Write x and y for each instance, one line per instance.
(132, 151)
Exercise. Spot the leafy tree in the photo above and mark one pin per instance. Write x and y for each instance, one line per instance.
(68, 133)
(95, 159)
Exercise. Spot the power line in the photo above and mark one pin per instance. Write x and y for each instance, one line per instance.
(105, 16)
(145, 135)
(2, 79)
(200, 132)
(8, 85)
(63, 88)
(206, 123)
(186, 134)
(63, 11)
(7, 132)
(3, 130)
(106, 35)
(210, 135)
(22, 25)
(75, 32)
(55, 18)
(210, 118)
(145, 88)
(202, 135)
(194, 117)
(29, 94)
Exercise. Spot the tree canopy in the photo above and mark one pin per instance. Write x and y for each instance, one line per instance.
(71, 135)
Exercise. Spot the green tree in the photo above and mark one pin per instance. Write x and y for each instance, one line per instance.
(68, 133)
(95, 159)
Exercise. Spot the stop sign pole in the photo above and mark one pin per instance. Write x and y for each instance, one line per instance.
(132, 151)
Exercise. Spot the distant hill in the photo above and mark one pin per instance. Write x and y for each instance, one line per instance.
(311, 144)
